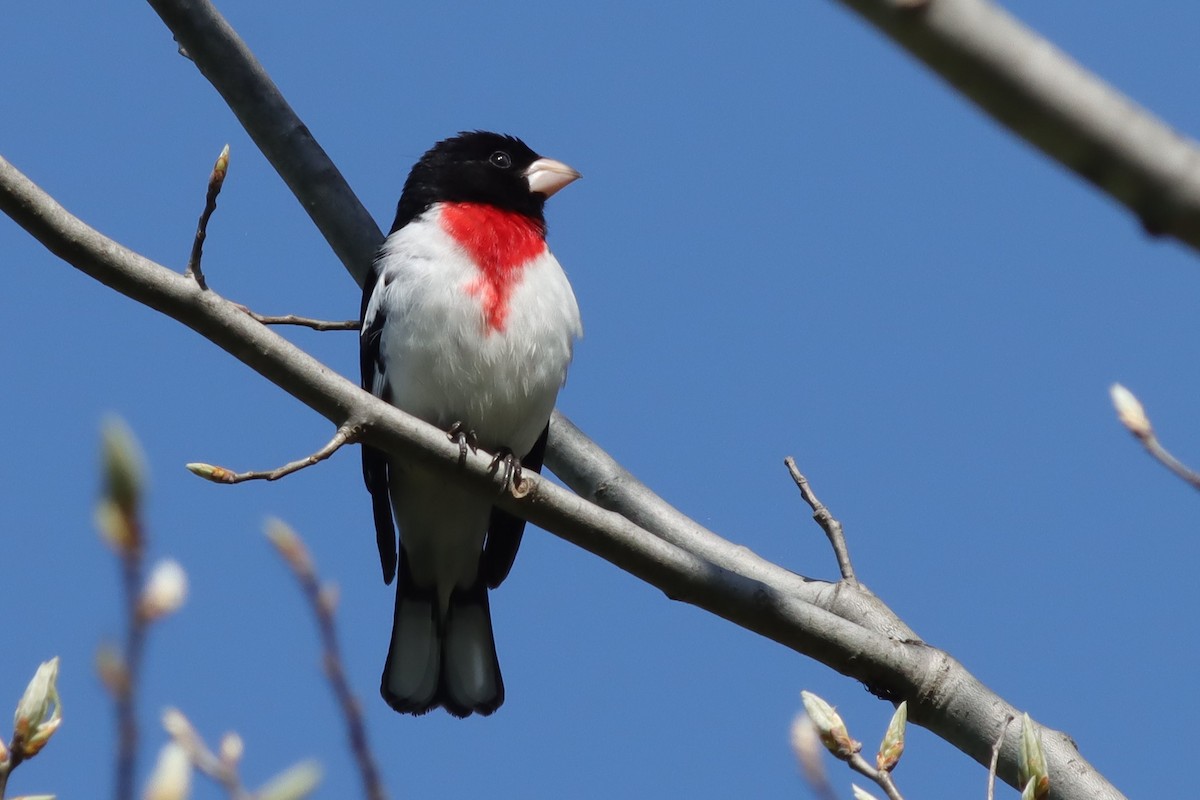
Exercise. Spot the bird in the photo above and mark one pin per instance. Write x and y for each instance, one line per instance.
(468, 323)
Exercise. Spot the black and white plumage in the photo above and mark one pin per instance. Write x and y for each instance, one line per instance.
(468, 321)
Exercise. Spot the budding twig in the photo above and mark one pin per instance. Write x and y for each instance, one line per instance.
(119, 518)
(832, 528)
(832, 731)
(322, 600)
(210, 205)
(348, 433)
(1133, 416)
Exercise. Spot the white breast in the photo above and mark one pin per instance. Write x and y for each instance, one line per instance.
(444, 364)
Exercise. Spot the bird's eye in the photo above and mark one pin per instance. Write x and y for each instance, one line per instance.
(500, 159)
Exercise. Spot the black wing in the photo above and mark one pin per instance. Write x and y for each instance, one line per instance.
(375, 463)
(504, 529)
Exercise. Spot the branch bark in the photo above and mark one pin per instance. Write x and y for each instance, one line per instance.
(1039, 93)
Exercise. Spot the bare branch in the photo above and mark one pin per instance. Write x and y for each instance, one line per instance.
(832, 528)
(295, 554)
(347, 433)
(593, 473)
(215, 180)
(307, 322)
(942, 695)
(1155, 448)
(991, 782)
(1039, 93)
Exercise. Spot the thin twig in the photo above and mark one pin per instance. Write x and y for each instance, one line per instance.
(832, 528)
(307, 322)
(1155, 448)
(6, 768)
(215, 180)
(882, 778)
(1133, 416)
(991, 783)
(125, 692)
(226, 62)
(347, 433)
(322, 601)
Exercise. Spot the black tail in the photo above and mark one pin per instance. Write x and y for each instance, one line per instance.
(433, 661)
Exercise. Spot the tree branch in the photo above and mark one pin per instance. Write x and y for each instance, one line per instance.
(942, 695)
(1035, 90)
(228, 64)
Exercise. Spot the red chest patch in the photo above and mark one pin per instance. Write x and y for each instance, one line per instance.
(501, 243)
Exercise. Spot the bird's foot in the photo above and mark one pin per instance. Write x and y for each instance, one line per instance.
(512, 467)
(464, 438)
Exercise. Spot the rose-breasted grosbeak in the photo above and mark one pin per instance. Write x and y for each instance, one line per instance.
(468, 323)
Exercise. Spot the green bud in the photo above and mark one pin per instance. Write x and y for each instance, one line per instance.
(39, 712)
(830, 727)
(210, 472)
(124, 468)
(1031, 760)
(892, 746)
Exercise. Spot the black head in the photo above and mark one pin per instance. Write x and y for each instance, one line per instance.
(480, 167)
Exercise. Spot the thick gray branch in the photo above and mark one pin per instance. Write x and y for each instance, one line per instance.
(1039, 93)
(224, 59)
(942, 695)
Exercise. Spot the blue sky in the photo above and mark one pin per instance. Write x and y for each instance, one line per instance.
(790, 239)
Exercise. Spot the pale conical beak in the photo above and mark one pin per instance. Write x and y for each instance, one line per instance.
(546, 176)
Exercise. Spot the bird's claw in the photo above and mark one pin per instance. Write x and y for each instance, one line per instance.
(464, 438)
(512, 467)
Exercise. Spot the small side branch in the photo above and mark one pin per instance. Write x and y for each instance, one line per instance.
(215, 180)
(991, 783)
(832, 528)
(323, 600)
(347, 433)
(307, 322)
(1133, 416)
